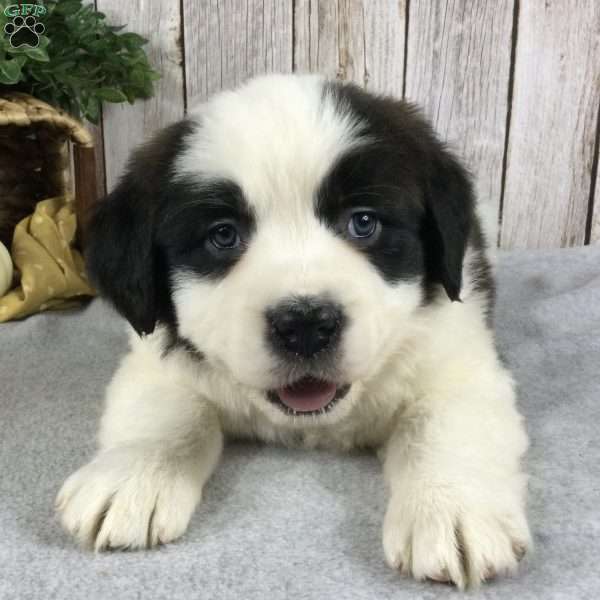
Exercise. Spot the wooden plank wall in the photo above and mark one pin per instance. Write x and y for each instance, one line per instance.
(228, 41)
(125, 126)
(356, 40)
(457, 71)
(513, 85)
(594, 215)
(553, 123)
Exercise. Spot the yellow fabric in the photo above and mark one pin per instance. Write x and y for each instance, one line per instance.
(52, 272)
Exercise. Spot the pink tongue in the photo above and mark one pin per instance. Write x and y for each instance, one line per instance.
(307, 395)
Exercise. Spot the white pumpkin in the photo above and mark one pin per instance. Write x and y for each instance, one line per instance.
(6, 270)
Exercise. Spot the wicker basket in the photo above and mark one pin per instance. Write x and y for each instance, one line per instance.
(35, 161)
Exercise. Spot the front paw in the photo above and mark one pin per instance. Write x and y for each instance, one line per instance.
(128, 499)
(435, 534)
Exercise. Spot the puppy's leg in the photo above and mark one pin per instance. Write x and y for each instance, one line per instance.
(456, 509)
(159, 443)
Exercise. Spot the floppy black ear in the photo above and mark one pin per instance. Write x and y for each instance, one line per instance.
(121, 257)
(449, 206)
(119, 254)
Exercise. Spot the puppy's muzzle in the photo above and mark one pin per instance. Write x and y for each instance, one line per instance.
(304, 326)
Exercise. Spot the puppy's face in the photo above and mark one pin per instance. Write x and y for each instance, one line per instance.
(287, 231)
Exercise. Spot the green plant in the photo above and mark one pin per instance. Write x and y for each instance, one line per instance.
(80, 60)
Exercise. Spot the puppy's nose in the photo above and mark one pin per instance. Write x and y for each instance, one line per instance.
(304, 325)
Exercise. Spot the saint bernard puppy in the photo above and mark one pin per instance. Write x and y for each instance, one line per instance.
(303, 262)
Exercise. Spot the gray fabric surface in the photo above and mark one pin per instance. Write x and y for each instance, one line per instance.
(277, 523)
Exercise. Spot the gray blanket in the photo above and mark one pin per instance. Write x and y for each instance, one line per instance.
(277, 523)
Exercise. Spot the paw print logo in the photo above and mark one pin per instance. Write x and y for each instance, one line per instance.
(24, 32)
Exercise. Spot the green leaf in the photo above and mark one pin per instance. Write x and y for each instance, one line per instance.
(92, 110)
(65, 65)
(82, 60)
(138, 77)
(147, 89)
(10, 71)
(21, 60)
(38, 54)
(40, 77)
(111, 94)
(68, 7)
(133, 40)
(15, 51)
(44, 41)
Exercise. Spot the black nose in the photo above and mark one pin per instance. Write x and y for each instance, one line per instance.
(305, 325)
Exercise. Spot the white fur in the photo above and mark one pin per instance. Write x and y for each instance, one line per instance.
(275, 137)
(428, 389)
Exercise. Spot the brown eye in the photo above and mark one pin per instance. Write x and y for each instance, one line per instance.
(362, 224)
(224, 236)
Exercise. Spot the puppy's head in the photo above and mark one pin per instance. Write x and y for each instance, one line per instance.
(288, 231)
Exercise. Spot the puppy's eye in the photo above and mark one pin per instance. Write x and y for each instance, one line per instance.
(224, 236)
(362, 224)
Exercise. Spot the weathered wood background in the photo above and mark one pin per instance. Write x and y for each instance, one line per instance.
(513, 85)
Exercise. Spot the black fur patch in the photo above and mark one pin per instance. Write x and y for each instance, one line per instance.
(368, 178)
(420, 192)
(121, 257)
(191, 210)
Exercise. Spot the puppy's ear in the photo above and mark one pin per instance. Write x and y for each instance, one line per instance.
(120, 253)
(449, 206)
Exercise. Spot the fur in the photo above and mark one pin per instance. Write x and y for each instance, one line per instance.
(286, 162)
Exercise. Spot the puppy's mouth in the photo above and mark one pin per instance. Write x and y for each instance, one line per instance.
(308, 396)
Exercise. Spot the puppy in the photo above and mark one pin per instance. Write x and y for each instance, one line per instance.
(302, 262)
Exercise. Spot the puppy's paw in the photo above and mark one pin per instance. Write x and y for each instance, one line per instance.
(434, 535)
(128, 499)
